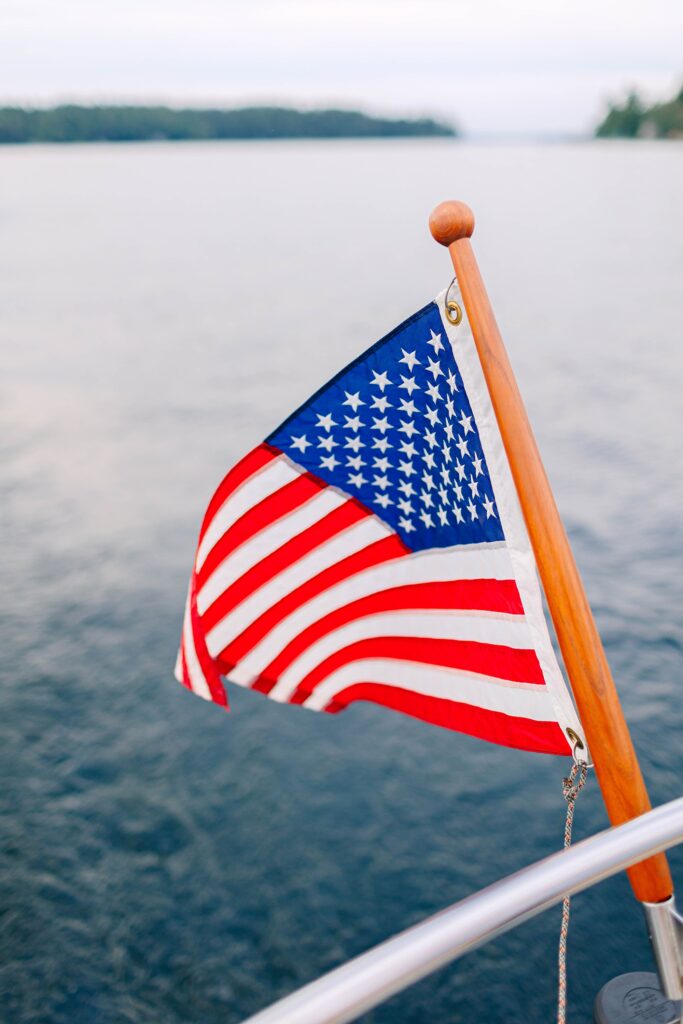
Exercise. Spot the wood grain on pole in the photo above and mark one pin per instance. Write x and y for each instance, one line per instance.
(607, 733)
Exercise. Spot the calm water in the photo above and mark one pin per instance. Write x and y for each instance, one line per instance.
(162, 308)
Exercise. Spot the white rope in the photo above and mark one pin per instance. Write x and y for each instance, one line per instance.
(571, 788)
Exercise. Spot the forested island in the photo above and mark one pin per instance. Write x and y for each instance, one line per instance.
(71, 123)
(634, 120)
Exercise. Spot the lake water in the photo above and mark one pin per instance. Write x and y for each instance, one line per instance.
(163, 307)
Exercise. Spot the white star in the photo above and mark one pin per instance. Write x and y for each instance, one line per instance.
(380, 402)
(458, 515)
(325, 421)
(426, 519)
(301, 443)
(353, 400)
(408, 428)
(433, 392)
(381, 444)
(476, 462)
(433, 416)
(472, 509)
(461, 445)
(458, 491)
(329, 462)
(406, 467)
(430, 438)
(428, 481)
(405, 487)
(357, 479)
(474, 487)
(449, 431)
(381, 464)
(354, 461)
(406, 524)
(443, 516)
(452, 381)
(380, 379)
(410, 359)
(328, 443)
(354, 443)
(446, 452)
(426, 499)
(406, 506)
(460, 470)
(466, 424)
(408, 448)
(443, 495)
(434, 368)
(382, 424)
(383, 500)
(446, 474)
(408, 407)
(488, 505)
(450, 407)
(409, 385)
(380, 481)
(353, 423)
(435, 342)
(429, 460)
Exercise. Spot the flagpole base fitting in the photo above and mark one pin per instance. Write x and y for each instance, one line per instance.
(635, 999)
(665, 928)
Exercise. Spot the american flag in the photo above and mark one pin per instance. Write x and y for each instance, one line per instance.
(373, 549)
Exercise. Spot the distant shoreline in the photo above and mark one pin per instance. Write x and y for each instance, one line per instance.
(633, 119)
(72, 124)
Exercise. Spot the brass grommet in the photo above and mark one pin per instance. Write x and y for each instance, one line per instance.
(575, 738)
(453, 313)
(577, 744)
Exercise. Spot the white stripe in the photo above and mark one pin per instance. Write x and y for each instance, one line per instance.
(508, 631)
(262, 544)
(434, 566)
(265, 481)
(357, 537)
(480, 691)
(194, 669)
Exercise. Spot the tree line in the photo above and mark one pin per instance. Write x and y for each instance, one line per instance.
(72, 123)
(633, 119)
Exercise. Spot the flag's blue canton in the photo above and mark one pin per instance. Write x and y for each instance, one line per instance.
(395, 430)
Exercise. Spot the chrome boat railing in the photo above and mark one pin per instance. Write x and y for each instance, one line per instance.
(369, 979)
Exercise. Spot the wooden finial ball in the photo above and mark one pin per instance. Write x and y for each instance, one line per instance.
(450, 221)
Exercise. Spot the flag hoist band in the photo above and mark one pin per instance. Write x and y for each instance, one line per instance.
(382, 544)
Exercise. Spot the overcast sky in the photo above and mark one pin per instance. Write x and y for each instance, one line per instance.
(512, 66)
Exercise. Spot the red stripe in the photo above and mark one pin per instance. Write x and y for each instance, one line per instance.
(510, 663)
(258, 517)
(494, 726)
(207, 664)
(374, 554)
(246, 467)
(476, 595)
(288, 553)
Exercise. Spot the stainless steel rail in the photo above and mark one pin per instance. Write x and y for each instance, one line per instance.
(355, 987)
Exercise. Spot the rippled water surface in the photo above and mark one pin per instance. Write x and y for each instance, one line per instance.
(162, 308)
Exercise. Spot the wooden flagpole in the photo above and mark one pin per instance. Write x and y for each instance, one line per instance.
(609, 740)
